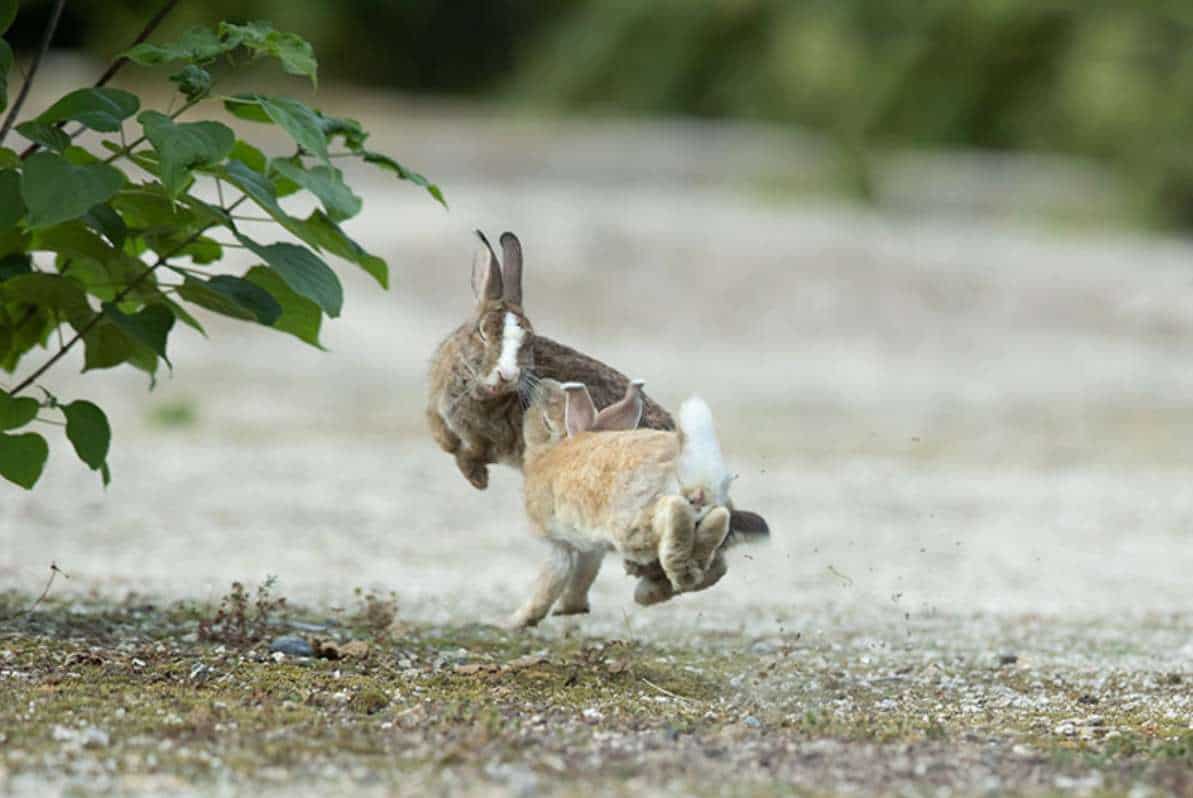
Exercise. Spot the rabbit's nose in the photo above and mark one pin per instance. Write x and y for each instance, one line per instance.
(508, 374)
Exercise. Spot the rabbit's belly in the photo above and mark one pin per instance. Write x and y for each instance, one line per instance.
(579, 536)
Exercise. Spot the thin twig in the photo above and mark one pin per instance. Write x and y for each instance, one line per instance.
(665, 691)
(86, 328)
(54, 571)
(150, 27)
(115, 66)
(46, 38)
(50, 421)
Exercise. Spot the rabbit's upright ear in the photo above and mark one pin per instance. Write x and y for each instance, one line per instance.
(579, 411)
(511, 267)
(486, 272)
(623, 414)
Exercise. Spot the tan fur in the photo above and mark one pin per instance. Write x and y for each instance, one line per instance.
(479, 430)
(596, 491)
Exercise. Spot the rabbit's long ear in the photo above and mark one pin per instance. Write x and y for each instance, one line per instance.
(578, 409)
(486, 272)
(625, 413)
(511, 267)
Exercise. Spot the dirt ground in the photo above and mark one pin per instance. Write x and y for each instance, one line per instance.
(971, 441)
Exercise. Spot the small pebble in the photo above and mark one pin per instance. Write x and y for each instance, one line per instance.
(293, 645)
(752, 722)
(1008, 659)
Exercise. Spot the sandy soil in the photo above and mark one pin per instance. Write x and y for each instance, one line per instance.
(951, 426)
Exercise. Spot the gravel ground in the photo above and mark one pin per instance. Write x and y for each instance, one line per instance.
(969, 440)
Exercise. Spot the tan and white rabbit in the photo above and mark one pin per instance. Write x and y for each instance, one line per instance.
(481, 375)
(706, 479)
(590, 492)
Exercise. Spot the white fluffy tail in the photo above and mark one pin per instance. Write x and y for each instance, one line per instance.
(700, 460)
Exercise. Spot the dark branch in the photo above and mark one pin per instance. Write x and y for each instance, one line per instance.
(150, 27)
(116, 65)
(46, 38)
(86, 328)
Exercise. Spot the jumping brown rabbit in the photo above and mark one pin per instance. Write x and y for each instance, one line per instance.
(651, 495)
(483, 372)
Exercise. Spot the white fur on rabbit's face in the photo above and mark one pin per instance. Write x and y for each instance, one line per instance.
(503, 331)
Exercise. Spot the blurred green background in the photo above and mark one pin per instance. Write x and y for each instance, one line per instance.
(1107, 80)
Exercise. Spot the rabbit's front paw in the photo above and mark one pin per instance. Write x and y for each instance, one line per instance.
(477, 473)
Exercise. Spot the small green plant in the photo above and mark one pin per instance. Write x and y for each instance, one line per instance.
(109, 245)
(242, 619)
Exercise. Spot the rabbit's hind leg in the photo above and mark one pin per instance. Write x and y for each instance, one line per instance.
(552, 579)
(710, 534)
(675, 527)
(575, 595)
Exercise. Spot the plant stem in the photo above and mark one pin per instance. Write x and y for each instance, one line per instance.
(150, 27)
(114, 67)
(127, 150)
(46, 38)
(86, 328)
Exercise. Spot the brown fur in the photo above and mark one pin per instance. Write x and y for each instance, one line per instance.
(479, 430)
(599, 490)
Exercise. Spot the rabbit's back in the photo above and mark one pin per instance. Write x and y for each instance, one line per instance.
(553, 360)
(600, 485)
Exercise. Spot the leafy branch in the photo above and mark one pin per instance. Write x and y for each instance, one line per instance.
(83, 244)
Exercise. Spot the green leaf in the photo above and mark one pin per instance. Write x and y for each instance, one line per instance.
(324, 234)
(232, 296)
(295, 53)
(300, 121)
(147, 206)
(16, 411)
(12, 207)
(22, 458)
(194, 82)
(56, 190)
(49, 136)
(199, 44)
(99, 109)
(246, 107)
(14, 264)
(88, 431)
(182, 147)
(149, 326)
(183, 316)
(5, 65)
(303, 270)
(32, 329)
(9, 159)
(255, 160)
(255, 185)
(300, 316)
(326, 183)
(389, 164)
(105, 346)
(348, 129)
(74, 240)
(53, 292)
(8, 12)
(107, 223)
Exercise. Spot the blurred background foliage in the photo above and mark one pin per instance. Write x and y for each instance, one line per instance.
(1108, 80)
